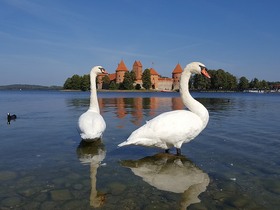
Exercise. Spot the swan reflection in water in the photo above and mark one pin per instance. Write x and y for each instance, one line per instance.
(93, 153)
(171, 173)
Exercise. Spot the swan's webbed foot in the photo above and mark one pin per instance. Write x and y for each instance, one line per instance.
(167, 151)
(178, 151)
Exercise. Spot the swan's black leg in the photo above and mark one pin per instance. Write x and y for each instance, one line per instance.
(167, 150)
(178, 151)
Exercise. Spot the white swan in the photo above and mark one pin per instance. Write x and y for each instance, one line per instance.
(91, 123)
(172, 129)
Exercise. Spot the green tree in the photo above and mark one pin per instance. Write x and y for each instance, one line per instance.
(133, 76)
(199, 82)
(222, 80)
(218, 79)
(231, 82)
(146, 79)
(113, 86)
(85, 82)
(127, 81)
(254, 84)
(105, 82)
(264, 85)
(243, 84)
(68, 84)
(76, 82)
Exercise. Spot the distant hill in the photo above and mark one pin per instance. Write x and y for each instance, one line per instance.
(29, 87)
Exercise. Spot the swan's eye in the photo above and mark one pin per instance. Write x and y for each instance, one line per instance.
(203, 67)
(102, 69)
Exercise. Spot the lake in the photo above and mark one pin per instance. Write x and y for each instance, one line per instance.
(233, 164)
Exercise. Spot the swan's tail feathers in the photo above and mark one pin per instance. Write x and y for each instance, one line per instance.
(123, 144)
(139, 141)
(90, 137)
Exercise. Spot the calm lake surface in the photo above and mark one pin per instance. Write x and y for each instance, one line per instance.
(233, 164)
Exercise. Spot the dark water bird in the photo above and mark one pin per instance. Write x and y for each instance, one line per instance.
(11, 117)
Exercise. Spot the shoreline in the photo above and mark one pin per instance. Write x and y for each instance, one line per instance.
(146, 91)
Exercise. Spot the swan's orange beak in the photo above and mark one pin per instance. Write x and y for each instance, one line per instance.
(205, 73)
(104, 71)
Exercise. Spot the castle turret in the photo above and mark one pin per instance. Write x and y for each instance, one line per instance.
(137, 68)
(120, 71)
(154, 78)
(176, 74)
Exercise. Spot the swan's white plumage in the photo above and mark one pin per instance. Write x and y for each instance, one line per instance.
(164, 133)
(172, 129)
(91, 124)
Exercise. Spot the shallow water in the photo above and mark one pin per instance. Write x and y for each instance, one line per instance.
(233, 164)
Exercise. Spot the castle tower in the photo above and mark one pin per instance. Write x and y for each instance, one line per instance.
(100, 81)
(120, 71)
(176, 74)
(137, 68)
(154, 78)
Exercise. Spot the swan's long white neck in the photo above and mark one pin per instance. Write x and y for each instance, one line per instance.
(192, 104)
(94, 106)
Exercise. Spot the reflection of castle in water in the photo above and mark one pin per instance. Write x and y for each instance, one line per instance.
(171, 173)
(139, 107)
(93, 153)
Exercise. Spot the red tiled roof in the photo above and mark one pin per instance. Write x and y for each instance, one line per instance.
(121, 66)
(137, 63)
(178, 69)
(153, 72)
(112, 76)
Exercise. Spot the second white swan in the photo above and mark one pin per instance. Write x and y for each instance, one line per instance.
(91, 123)
(172, 129)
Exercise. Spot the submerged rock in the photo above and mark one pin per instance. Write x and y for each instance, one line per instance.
(117, 188)
(60, 195)
(7, 175)
(11, 202)
(48, 205)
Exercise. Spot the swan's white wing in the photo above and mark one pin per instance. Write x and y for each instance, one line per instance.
(167, 130)
(91, 125)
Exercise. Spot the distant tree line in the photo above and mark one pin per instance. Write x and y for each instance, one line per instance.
(29, 87)
(224, 81)
(220, 81)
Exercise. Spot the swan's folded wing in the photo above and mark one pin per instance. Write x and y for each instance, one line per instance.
(177, 125)
(166, 130)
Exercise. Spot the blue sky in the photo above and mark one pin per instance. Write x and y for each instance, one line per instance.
(45, 42)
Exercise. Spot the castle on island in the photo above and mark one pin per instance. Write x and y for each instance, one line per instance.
(158, 82)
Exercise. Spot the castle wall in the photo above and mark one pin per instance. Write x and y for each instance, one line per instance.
(154, 80)
(165, 84)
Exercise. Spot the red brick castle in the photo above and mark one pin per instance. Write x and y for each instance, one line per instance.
(158, 82)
